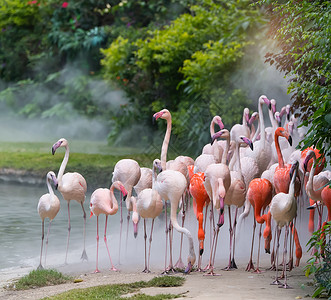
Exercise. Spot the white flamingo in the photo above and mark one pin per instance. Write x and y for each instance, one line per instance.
(72, 187)
(283, 209)
(48, 207)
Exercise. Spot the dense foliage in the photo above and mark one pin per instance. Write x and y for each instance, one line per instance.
(301, 30)
(319, 264)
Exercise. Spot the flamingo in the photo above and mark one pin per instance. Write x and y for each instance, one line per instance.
(282, 172)
(317, 190)
(149, 206)
(200, 197)
(128, 172)
(176, 165)
(103, 201)
(217, 182)
(236, 195)
(72, 186)
(259, 194)
(171, 186)
(262, 149)
(283, 210)
(48, 207)
(216, 149)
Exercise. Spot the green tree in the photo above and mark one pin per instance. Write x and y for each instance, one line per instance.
(301, 30)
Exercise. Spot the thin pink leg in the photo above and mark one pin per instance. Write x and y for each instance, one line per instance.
(105, 239)
(250, 265)
(69, 229)
(276, 281)
(285, 285)
(49, 229)
(40, 267)
(84, 255)
(145, 238)
(150, 244)
(96, 268)
(257, 270)
(121, 229)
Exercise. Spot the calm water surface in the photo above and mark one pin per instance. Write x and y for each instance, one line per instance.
(20, 234)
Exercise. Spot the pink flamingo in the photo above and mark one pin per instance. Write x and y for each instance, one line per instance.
(48, 207)
(128, 172)
(217, 182)
(72, 187)
(236, 195)
(103, 201)
(283, 210)
(149, 206)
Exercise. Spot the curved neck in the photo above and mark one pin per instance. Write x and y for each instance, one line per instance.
(113, 202)
(50, 189)
(310, 184)
(261, 124)
(279, 153)
(292, 183)
(63, 165)
(226, 150)
(165, 144)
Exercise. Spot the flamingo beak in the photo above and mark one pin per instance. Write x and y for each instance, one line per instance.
(290, 140)
(135, 229)
(91, 214)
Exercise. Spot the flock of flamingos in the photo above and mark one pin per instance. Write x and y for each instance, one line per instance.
(251, 166)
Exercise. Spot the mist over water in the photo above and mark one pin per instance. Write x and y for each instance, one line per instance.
(20, 236)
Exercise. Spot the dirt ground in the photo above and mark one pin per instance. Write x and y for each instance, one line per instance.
(237, 284)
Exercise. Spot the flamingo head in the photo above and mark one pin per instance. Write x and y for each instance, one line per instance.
(272, 105)
(278, 118)
(52, 177)
(294, 168)
(246, 114)
(222, 132)
(280, 131)
(254, 116)
(264, 100)
(60, 143)
(288, 110)
(290, 127)
(190, 262)
(121, 187)
(309, 155)
(157, 165)
(218, 120)
(247, 141)
(163, 114)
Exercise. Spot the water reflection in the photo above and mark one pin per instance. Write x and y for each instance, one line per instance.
(20, 234)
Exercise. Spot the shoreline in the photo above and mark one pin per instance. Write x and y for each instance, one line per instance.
(235, 284)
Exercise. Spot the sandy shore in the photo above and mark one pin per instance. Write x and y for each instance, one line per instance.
(237, 284)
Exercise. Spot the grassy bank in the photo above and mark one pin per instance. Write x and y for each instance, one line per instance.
(97, 168)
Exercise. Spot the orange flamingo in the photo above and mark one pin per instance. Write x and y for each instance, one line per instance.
(259, 195)
(200, 196)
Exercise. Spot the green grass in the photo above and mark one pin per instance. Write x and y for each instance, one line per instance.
(97, 168)
(40, 278)
(115, 291)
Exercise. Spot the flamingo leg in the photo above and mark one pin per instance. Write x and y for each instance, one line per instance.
(40, 267)
(69, 229)
(166, 232)
(272, 257)
(171, 232)
(233, 263)
(145, 238)
(285, 285)
(231, 236)
(276, 281)
(250, 265)
(257, 270)
(49, 229)
(127, 231)
(121, 229)
(96, 268)
(84, 255)
(179, 264)
(105, 239)
(150, 244)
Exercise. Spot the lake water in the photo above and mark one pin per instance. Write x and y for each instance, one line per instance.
(20, 234)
